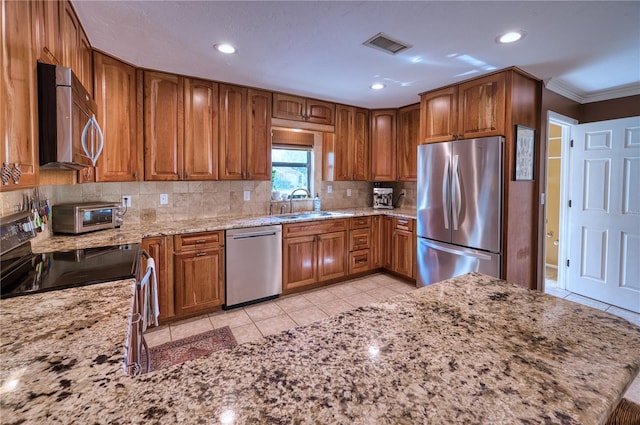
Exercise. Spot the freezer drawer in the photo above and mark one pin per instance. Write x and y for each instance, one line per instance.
(439, 261)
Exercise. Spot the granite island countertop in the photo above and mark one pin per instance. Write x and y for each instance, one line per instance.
(133, 233)
(473, 349)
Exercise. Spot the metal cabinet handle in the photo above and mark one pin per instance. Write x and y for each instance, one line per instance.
(201, 254)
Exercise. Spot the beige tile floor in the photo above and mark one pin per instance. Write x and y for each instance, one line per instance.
(256, 321)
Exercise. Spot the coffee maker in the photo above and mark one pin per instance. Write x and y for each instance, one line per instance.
(383, 198)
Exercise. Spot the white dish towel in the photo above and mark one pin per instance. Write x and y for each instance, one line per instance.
(149, 287)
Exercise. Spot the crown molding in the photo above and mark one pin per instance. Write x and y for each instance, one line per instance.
(581, 97)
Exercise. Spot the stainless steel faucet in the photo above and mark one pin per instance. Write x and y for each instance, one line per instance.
(291, 197)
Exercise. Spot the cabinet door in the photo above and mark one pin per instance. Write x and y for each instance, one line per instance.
(47, 17)
(403, 252)
(85, 62)
(383, 145)
(70, 35)
(408, 129)
(116, 90)
(320, 112)
(360, 140)
(258, 150)
(157, 248)
(387, 242)
(299, 262)
(200, 130)
(233, 100)
(288, 107)
(342, 145)
(482, 107)
(163, 120)
(439, 116)
(18, 96)
(377, 242)
(332, 255)
(198, 280)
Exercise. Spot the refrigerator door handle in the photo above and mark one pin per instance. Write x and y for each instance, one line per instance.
(445, 194)
(456, 202)
(466, 252)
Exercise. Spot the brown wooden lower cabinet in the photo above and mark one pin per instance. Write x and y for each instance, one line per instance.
(300, 260)
(377, 246)
(386, 241)
(199, 280)
(314, 252)
(332, 256)
(158, 248)
(198, 272)
(402, 253)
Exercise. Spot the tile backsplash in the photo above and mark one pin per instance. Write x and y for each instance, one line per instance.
(198, 199)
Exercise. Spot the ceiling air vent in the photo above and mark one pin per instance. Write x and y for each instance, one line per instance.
(382, 41)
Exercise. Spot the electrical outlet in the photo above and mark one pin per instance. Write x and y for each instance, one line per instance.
(126, 201)
(403, 192)
(247, 195)
(329, 188)
(348, 192)
(164, 199)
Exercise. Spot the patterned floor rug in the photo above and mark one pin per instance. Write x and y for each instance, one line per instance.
(192, 347)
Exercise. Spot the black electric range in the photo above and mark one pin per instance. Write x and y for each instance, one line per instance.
(23, 272)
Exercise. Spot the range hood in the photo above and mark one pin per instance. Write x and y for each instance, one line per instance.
(66, 114)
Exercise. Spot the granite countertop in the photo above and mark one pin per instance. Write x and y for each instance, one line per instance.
(472, 349)
(133, 233)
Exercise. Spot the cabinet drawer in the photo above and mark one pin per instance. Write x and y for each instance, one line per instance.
(403, 224)
(314, 227)
(359, 261)
(190, 241)
(359, 222)
(359, 239)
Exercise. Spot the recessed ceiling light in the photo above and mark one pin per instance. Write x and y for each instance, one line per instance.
(377, 86)
(510, 37)
(225, 48)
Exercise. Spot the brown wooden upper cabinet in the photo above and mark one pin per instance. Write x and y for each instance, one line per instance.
(117, 99)
(408, 136)
(18, 98)
(180, 127)
(303, 109)
(47, 23)
(75, 47)
(383, 145)
(351, 144)
(475, 108)
(245, 133)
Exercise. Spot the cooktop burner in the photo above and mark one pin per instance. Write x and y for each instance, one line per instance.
(23, 272)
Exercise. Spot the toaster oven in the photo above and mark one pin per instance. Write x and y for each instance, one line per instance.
(85, 217)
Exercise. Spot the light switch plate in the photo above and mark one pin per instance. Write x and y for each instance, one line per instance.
(348, 192)
(329, 188)
(247, 195)
(164, 199)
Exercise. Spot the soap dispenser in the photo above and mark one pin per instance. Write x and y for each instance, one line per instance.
(316, 203)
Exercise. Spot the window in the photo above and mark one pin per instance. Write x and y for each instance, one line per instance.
(291, 169)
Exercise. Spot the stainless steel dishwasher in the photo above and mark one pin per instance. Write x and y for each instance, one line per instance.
(254, 264)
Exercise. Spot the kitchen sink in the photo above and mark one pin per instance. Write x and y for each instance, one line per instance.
(314, 214)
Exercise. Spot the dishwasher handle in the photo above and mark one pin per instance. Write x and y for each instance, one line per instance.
(253, 235)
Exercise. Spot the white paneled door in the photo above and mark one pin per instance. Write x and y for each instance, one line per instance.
(604, 216)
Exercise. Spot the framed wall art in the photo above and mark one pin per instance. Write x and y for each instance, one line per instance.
(525, 153)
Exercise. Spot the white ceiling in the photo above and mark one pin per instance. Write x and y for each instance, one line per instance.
(586, 50)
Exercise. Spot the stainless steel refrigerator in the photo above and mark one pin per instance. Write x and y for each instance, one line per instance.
(459, 208)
